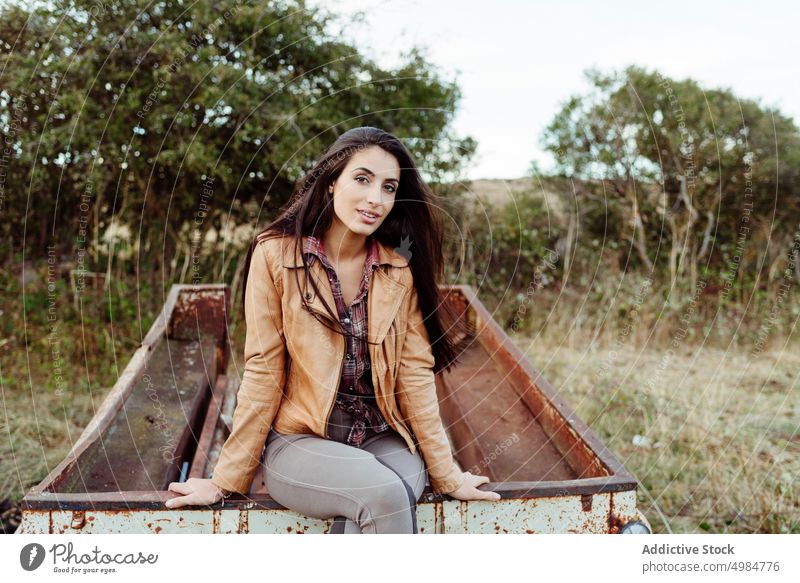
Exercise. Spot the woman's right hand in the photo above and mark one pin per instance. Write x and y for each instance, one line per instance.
(196, 492)
(468, 490)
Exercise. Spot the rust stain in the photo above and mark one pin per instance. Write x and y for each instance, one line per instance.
(198, 312)
(78, 519)
(614, 522)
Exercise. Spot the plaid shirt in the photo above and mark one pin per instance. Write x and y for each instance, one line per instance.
(355, 410)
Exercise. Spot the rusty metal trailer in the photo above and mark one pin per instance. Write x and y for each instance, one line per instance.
(170, 412)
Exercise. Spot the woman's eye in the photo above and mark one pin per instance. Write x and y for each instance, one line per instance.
(390, 187)
(366, 181)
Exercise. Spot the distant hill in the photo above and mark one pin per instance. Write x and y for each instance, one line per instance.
(497, 192)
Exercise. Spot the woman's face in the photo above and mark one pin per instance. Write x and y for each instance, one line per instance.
(364, 192)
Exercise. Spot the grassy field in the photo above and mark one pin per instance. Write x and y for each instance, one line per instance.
(712, 436)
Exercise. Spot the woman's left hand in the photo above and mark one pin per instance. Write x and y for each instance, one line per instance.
(468, 490)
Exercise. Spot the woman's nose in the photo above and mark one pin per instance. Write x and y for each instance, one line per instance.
(375, 195)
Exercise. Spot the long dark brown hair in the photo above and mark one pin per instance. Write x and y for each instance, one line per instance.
(414, 218)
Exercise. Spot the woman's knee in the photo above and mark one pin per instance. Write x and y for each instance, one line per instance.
(388, 501)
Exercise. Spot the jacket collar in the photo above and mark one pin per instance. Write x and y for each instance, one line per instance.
(385, 294)
(386, 255)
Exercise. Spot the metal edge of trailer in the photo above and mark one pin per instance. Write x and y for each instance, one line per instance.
(155, 499)
(548, 515)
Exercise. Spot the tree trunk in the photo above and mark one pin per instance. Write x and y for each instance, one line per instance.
(638, 237)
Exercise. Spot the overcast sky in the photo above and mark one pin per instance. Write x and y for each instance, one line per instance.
(516, 61)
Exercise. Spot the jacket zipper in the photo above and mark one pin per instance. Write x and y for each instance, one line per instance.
(401, 425)
(341, 365)
(333, 400)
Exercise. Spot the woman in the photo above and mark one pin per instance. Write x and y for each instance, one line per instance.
(339, 363)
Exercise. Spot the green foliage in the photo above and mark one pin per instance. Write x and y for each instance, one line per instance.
(692, 169)
(159, 114)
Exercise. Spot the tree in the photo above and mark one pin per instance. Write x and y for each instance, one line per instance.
(698, 169)
(166, 114)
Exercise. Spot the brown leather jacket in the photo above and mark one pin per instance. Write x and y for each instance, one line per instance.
(293, 364)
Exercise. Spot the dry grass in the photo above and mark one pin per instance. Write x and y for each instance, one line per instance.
(712, 435)
(38, 431)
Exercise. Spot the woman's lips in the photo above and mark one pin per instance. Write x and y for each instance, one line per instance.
(368, 219)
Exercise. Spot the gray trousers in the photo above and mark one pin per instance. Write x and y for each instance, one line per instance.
(371, 489)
